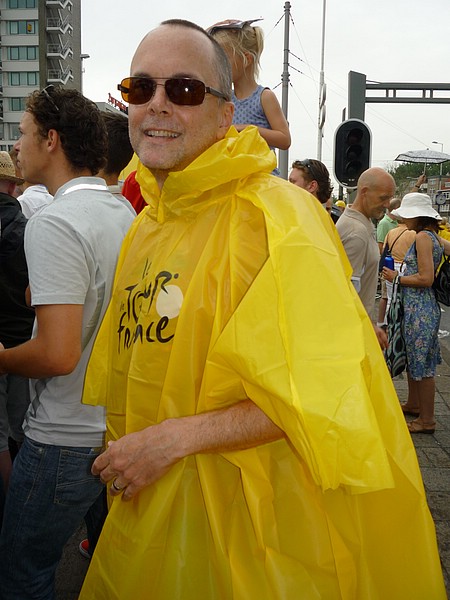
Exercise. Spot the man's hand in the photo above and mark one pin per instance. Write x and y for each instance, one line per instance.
(138, 459)
(381, 336)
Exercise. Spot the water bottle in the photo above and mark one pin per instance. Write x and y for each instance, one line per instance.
(389, 262)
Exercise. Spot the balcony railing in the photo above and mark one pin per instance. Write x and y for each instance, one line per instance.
(61, 3)
(59, 76)
(59, 51)
(58, 24)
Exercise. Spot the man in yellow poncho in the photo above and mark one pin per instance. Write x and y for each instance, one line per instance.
(256, 449)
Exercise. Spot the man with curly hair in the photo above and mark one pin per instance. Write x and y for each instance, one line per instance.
(313, 176)
(71, 247)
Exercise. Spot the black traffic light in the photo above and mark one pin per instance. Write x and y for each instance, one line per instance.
(351, 151)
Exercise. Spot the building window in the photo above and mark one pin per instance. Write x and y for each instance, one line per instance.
(17, 104)
(14, 133)
(22, 3)
(22, 53)
(23, 27)
(23, 78)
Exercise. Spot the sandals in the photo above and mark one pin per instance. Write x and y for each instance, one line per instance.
(418, 426)
(413, 412)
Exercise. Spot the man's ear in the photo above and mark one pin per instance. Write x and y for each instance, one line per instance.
(52, 139)
(313, 186)
(11, 188)
(225, 119)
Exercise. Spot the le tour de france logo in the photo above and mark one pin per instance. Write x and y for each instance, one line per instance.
(148, 308)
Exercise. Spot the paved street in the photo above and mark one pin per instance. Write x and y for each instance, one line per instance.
(433, 452)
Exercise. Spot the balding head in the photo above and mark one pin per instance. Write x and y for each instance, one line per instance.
(394, 203)
(373, 177)
(167, 135)
(376, 188)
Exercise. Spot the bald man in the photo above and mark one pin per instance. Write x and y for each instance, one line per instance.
(226, 468)
(375, 190)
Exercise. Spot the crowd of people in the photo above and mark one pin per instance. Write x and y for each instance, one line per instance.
(180, 397)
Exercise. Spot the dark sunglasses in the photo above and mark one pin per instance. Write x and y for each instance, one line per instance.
(180, 90)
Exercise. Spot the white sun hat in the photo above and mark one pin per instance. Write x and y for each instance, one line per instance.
(416, 205)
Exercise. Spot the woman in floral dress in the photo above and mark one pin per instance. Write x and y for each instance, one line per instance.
(422, 311)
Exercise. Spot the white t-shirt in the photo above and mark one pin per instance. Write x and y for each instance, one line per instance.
(71, 247)
(33, 199)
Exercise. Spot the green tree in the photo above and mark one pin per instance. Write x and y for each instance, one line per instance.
(405, 173)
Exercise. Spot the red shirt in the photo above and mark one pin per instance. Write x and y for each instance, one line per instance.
(132, 192)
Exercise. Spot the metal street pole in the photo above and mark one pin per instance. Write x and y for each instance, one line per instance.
(284, 154)
(322, 93)
(83, 57)
(440, 166)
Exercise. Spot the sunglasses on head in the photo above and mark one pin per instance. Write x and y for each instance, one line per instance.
(307, 165)
(180, 90)
(231, 25)
(46, 91)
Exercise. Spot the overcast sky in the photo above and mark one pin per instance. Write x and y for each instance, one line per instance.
(387, 40)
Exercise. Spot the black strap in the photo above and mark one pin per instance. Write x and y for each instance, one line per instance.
(393, 243)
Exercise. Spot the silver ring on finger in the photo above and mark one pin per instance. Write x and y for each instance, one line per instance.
(116, 487)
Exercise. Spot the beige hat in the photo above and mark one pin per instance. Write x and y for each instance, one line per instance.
(7, 170)
(416, 205)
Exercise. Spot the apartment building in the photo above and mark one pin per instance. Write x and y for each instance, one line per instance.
(40, 44)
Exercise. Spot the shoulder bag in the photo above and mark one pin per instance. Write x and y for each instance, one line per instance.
(395, 354)
(441, 284)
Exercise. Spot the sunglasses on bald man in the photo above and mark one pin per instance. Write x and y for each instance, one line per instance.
(183, 91)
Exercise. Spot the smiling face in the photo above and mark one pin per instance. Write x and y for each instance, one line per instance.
(168, 137)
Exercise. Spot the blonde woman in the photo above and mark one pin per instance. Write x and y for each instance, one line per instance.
(254, 104)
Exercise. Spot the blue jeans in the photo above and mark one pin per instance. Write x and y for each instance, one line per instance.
(50, 491)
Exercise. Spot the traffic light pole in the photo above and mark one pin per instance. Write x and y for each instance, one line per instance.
(284, 154)
(352, 145)
(322, 89)
(356, 95)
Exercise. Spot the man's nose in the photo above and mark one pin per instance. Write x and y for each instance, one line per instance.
(159, 102)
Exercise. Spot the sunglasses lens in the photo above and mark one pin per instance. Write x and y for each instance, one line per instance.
(185, 92)
(137, 90)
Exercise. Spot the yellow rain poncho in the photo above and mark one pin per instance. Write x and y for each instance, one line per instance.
(224, 291)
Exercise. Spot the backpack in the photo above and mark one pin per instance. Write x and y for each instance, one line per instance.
(441, 284)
